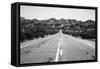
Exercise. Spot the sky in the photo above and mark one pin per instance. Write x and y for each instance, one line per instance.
(41, 13)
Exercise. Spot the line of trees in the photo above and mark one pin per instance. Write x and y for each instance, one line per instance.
(31, 29)
(85, 30)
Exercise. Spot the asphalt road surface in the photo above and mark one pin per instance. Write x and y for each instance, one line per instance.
(56, 48)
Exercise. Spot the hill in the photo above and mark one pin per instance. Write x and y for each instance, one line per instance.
(30, 29)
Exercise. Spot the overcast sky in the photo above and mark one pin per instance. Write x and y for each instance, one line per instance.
(31, 12)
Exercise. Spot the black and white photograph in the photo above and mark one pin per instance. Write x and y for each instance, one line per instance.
(55, 34)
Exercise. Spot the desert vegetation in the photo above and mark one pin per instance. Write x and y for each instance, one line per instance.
(34, 28)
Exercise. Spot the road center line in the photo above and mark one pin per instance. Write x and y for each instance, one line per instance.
(59, 52)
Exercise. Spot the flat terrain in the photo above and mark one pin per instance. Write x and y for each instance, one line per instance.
(56, 48)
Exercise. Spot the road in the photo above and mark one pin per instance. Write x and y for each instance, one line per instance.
(56, 48)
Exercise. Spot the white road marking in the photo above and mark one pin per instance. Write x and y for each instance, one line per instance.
(25, 45)
(35, 41)
(59, 50)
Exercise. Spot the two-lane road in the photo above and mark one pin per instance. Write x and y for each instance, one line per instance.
(55, 48)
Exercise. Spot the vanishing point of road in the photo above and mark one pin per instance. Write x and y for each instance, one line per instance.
(56, 48)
